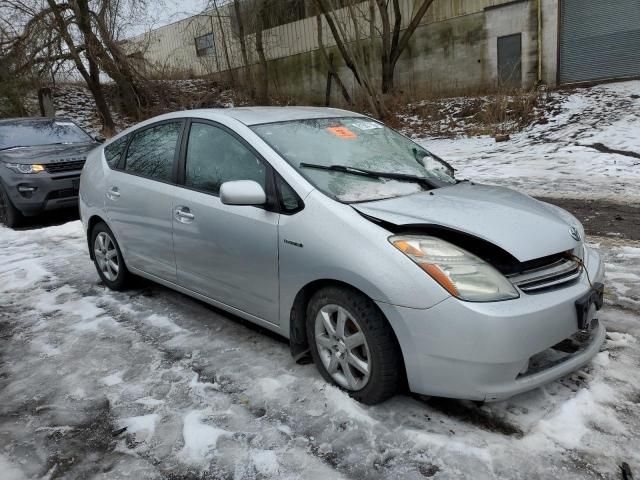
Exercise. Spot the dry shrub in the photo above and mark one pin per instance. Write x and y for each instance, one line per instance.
(510, 112)
(497, 114)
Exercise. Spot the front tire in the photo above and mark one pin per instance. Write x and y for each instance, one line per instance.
(353, 345)
(107, 258)
(10, 216)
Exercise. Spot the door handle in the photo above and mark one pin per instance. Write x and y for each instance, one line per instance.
(113, 193)
(184, 215)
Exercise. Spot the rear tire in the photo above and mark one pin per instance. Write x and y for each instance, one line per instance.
(10, 216)
(353, 345)
(107, 258)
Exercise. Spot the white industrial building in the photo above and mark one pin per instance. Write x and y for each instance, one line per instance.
(461, 46)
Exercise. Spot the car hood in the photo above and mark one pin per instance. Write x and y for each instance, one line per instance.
(524, 227)
(46, 154)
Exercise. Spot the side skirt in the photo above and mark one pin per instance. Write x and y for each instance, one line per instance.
(223, 306)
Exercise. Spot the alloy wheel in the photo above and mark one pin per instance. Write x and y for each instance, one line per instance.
(342, 347)
(106, 255)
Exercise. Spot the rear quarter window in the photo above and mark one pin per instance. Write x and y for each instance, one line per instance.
(114, 151)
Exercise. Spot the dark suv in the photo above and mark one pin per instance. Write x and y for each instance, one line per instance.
(40, 164)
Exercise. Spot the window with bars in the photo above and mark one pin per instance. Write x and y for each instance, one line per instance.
(205, 45)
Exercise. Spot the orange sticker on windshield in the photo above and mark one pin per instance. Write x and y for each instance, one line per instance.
(342, 132)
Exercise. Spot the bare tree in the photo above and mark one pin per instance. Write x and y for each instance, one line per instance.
(85, 33)
(240, 21)
(91, 75)
(355, 41)
(346, 31)
(394, 38)
(263, 80)
(331, 69)
(224, 40)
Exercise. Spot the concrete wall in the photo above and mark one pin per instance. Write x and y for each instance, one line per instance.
(453, 51)
(550, 20)
(513, 18)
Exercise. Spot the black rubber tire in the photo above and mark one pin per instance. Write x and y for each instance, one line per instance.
(10, 216)
(386, 360)
(124, 276)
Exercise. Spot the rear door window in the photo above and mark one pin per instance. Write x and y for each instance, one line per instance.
(152, 151)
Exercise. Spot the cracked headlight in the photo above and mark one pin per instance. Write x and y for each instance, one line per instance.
(461, 273)
(25, 168)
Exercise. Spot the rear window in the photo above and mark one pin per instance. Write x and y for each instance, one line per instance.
(152, 151)
(113, 152)
(39, 132)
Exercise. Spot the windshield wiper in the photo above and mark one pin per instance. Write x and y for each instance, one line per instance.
(41, 145)
(401, 177)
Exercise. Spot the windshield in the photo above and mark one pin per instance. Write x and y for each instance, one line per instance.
(352, 142)
(38, 132)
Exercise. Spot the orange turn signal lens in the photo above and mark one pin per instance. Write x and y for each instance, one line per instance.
(439, 276)
(407, 248)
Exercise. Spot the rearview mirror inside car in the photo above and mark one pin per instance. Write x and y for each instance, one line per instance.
(242, 192)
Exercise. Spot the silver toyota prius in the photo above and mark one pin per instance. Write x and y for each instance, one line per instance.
(352, 241)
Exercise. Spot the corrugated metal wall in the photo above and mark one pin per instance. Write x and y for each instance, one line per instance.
(172, 46)
(599, 39)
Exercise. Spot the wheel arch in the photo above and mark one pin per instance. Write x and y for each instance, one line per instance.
(297, 316)
(93, 221)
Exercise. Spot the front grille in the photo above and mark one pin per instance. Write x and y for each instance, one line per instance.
(64, 193)
(64, 166)
(557, 274)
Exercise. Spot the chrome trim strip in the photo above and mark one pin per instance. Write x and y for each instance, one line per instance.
(557, 273)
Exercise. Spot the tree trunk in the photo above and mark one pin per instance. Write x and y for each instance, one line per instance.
(387, 76)
(243, 48)
(354, 57)
(91, 77)
(394, 39)
(263, 81)
(115, 63)
(332, 72)
(224, 43)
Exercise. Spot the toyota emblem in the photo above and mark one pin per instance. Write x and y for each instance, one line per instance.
(575, 234)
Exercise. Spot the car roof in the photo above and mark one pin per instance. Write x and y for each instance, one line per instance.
(259, 115)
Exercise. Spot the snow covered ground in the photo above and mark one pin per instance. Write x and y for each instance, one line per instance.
(561, 158)
(149, 383)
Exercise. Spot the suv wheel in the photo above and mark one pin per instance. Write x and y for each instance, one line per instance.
(352, 344)
(107, 258)
(9, 214)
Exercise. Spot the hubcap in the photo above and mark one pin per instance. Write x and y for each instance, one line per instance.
(342, 347)
(106, 256)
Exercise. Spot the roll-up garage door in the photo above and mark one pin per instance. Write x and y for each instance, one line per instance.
(599, 39)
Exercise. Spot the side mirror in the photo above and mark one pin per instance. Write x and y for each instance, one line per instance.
(99, 138)
(242, 192)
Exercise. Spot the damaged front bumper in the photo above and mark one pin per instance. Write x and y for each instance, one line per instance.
(491, 351)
